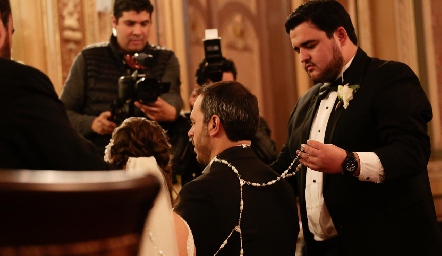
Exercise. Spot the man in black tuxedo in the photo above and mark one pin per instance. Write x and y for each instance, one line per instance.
(364, 187)
(35, 132)
(225, 214)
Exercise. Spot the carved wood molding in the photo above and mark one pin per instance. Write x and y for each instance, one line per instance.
(71, 29)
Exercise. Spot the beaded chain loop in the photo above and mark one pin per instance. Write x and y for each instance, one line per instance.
(242, 182)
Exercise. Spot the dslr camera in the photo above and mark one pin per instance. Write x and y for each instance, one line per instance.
(214, 58)
(138, 86)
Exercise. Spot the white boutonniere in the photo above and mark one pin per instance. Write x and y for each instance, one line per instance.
(345, 94)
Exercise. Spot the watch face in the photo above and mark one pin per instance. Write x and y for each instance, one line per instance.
(350, 164)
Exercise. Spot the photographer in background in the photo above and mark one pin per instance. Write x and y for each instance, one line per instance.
(92, 85)
(184, 161)
(35, 130)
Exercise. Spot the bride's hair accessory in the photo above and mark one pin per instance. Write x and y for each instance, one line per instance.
(108, 153)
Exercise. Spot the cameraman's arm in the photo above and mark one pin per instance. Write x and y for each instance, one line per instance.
(172, 75)
(73, 97)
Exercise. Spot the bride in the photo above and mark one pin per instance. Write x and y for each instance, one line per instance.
(140, 146)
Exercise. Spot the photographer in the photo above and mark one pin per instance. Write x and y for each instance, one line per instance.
(92, 85)
(184, 161)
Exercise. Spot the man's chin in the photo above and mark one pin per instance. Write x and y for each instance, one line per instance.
(201, 160)
(135, 49)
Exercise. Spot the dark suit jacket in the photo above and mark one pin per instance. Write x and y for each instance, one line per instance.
(35, 132)
(388, 116)
(210, 205)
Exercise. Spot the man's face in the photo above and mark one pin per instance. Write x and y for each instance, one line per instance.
(132, 30)
(321, 56)
(6, 39)
(199, 134)
(228, 76)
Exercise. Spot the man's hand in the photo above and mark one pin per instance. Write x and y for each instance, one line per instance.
(159, 110)
(102, 125)
(322, 157)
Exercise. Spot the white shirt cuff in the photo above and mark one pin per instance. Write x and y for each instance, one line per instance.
(371, 167)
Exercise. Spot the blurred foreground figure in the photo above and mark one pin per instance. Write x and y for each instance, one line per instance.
(35, 132)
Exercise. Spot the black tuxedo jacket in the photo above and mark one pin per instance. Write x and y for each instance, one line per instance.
(388, 115)
(35, 132)
(210, 205)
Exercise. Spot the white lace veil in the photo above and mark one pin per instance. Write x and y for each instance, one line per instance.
(159, 232)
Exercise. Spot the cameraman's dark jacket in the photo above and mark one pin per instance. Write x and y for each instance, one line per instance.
(184, 161)
(92, 84)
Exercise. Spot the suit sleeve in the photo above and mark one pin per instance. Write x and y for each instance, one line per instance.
(403, 113)
(73, 97)
(172, 75)
(284, 158)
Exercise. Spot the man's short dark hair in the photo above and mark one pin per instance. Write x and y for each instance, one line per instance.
(5, 11)
(326, 15)
(121, 6)
(202, 74)
(236, 107)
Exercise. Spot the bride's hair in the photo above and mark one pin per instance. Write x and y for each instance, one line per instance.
(140, 137)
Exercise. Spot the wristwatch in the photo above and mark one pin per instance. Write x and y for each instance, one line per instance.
(350, 164)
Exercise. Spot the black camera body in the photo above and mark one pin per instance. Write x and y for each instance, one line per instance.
(214, 58)
(136, 87)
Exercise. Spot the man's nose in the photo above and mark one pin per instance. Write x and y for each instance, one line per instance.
(136, 29)
(190, 133)
(304, 55)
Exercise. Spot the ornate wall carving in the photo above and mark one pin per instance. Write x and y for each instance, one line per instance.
(71, 25)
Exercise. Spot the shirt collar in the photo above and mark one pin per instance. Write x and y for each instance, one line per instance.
(346, 66)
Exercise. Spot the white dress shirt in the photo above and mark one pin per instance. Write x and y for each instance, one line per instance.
(319, 220)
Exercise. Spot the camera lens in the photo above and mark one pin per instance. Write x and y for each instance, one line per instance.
(147, 90)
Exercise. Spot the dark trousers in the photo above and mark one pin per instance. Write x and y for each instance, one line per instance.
(329, 247)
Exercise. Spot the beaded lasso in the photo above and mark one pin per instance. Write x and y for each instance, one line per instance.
(284, 175)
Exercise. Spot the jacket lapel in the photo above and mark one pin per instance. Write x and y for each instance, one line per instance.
(353, 75)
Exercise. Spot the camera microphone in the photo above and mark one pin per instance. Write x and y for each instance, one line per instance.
(144, 59)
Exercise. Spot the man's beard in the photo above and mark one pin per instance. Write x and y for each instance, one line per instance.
(333, 69)
(203, 147)
(5, 50)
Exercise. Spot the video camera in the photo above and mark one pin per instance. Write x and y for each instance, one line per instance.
(213, 56)
(140, 87)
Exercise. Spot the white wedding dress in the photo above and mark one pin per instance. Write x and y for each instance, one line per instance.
(159, 236)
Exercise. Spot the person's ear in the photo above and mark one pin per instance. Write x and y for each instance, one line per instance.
(341, 35)
(114, 24)
(214, 125)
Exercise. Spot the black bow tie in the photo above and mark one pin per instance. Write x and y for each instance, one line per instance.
(327, 88)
